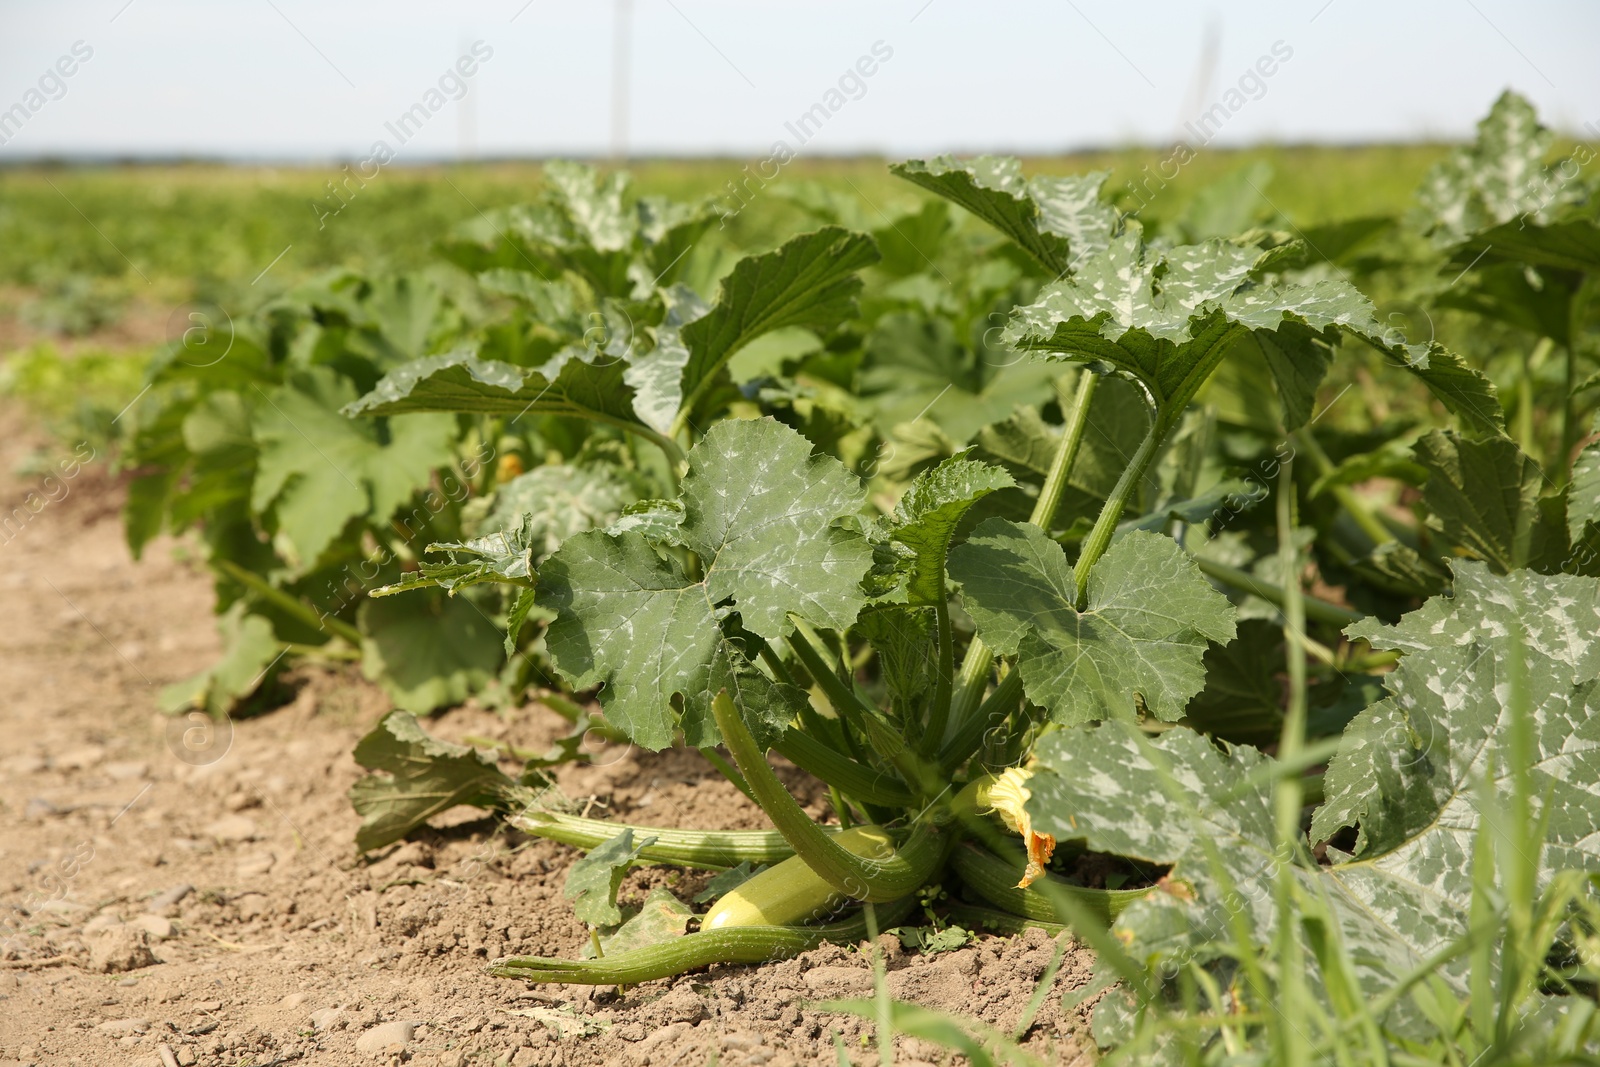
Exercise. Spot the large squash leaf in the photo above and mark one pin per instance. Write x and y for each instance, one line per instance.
(1141, 634)
(759, 512)
(1167, 318)
(1408, 772)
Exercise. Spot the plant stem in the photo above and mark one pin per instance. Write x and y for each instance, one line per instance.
(1354, 506)
(1288, 796)
(870, 879)
(995, 880)
(1099, 539)
(1000, 703)
(289, 603)
(944, 667)
(1320, 610)
(715, 849)
(855, 779)
(1527, 439)
(733, 944)
(727, 770)
(975, 666)
(1576, 312)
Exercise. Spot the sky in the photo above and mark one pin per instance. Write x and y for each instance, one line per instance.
(329, 79)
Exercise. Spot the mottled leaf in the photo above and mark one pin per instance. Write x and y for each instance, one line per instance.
(1148, 616)
(759, 512)
(1167, 318)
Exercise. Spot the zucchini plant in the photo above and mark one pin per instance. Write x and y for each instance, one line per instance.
(928, 658)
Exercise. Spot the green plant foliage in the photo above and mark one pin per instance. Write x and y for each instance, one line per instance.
(420, 777)
(638, 622)
(1140, 635)
(593, 881)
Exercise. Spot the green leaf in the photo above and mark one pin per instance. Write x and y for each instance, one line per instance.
(1573, 245)
(1483, 497)
(250, 650)
(1232, 204)
(929, 941)
(1410, 771)
(428, 651)
(1583, 491)
(759, 512)
(1498, 177)
(593, 881)
(1142, 634)
(916, 366)
(657, 376)
(1243, 696)
(559, 500)
(505, 557)
(575, 382)
(1167, 318)
(318, 470)
(659, 919)
(421, 777)
(926, 518)
(1054, 220)
(809, 281)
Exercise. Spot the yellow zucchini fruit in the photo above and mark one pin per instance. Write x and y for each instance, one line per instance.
(791, 892)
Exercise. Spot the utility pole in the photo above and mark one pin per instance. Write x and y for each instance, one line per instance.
(621, 61)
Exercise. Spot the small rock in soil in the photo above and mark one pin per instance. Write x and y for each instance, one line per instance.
(125, 1026)
(157, 926)
(682, 1005)
(838, 981)
(38, 809)
(170, 899)
(325, 1018)
(232, 828)
(121, 948)
(385, 1036)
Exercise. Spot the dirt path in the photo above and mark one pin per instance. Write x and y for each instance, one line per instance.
(160, 907)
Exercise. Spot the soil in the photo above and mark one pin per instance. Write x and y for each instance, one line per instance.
(159, 906)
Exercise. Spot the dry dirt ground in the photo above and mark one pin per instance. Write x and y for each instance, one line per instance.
(157, 911)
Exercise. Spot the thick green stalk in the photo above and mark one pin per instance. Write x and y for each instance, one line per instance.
(994, 710)
(1099, 539)
(871, 879)
(974, 675)
(736, 944)
(944, 667)
(850, 706)
(1577, 312)
(1527, 436)
(1320, 610)
(289, 603)
(1354, 506)
(854, 779)
(691, 848)
(1288, 797)
(995, 880)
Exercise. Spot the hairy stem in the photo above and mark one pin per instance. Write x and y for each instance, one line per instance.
(288, 602)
